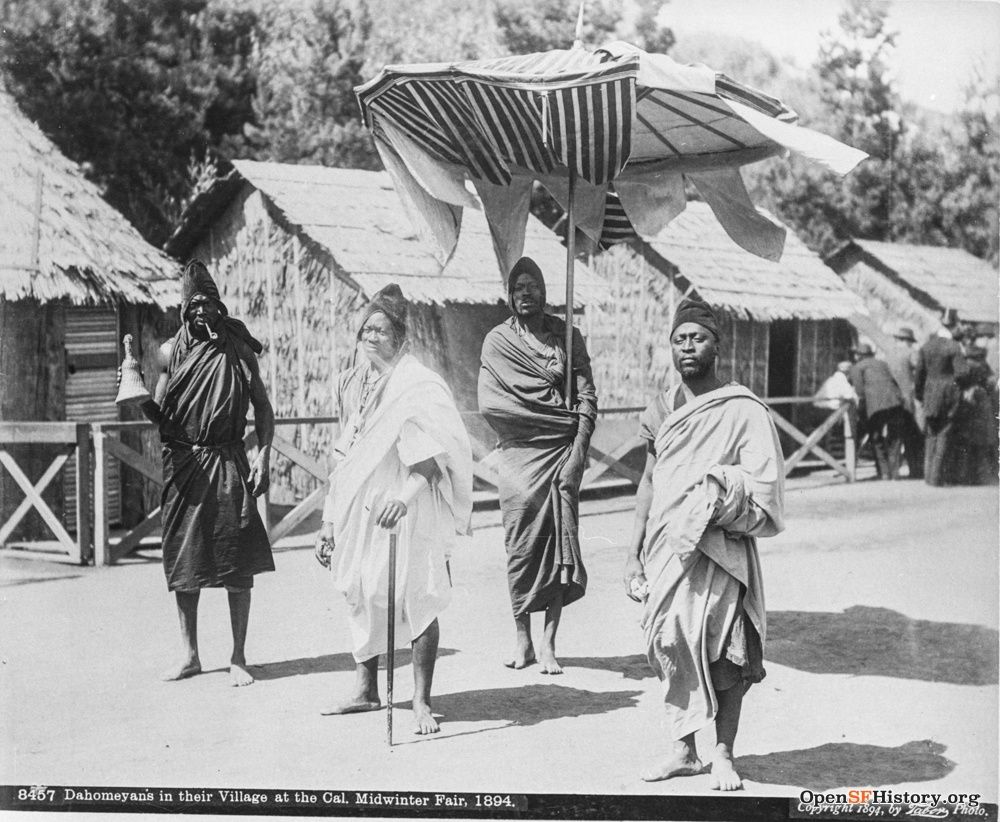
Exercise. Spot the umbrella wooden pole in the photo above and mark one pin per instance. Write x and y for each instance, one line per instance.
(570, 260)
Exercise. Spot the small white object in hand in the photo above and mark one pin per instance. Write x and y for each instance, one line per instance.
(639, 589)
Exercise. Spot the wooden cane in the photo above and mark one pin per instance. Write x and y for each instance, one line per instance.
(390, 663)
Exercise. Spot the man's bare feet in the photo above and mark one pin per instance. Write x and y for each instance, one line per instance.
(239, 675)
(678, 763)
(357, 705)
(550, 665)
(188, 668)
(423, 720)
(724, 776)
(524, 653)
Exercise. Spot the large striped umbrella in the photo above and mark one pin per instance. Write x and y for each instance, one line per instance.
(612, 134)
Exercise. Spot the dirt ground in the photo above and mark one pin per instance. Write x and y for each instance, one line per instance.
(881, 659)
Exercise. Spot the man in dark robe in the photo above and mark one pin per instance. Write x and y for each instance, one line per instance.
(940, 364)
(880, 408)
(213, 535)
(542, 452)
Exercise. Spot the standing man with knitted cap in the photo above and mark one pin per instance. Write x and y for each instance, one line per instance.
(714, 482)
(212, 534)
(403, 461)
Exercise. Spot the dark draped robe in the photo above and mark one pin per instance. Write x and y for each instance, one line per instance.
(212, 533)
(520, 395)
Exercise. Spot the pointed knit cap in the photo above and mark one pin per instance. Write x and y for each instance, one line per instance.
(197, 280)
(391, 302)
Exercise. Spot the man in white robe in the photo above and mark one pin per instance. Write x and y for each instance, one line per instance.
(403, 462)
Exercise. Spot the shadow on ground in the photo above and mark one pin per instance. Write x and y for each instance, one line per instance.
(880, 642)
(631, 667)
(846, 764)
(326, 664)
(528, 704)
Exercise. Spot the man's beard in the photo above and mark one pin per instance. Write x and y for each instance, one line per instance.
(695, 372)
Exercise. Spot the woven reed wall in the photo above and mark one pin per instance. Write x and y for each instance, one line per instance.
(628, 337)
(289, 295)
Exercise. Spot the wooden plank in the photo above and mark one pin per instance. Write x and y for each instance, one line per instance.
(611, 462)
(19, 433)
(300, 421)
(128, 543)
(40, 486)
(84, 512)
(850, 448)
(133, 459)
(794, 432)
(486, 473)
(299, 513)
(814, 438)
(300, 458)
(38, 503)
(130, 426)
(614, 463)
(787, 400)
(101, 557)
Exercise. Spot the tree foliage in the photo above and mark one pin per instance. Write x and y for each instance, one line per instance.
(927, 180)
(132, 90)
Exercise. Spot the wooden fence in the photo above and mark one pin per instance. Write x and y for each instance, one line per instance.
(613, 460)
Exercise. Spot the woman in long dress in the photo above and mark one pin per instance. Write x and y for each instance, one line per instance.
(543, 451)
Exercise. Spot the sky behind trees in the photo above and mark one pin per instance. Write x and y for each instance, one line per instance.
(940, 43)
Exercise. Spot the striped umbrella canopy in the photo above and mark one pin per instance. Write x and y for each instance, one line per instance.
(612, 134)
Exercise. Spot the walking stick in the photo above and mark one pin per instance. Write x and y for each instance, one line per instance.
(390, 663)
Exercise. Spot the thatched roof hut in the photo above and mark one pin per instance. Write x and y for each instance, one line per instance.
(74, 276)
(909, 285)
(61, 240)
(785, 323)
(298, 251)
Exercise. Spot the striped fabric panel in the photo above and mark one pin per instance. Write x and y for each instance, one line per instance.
(513, 119)
(592, 128)
(727, 87)
(617, 228)
(543, 62)
(486, 119)
(438, 117)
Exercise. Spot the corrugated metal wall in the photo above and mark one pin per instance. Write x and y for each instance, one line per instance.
(91, 362)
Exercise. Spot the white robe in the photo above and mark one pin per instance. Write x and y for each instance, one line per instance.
(415, 420)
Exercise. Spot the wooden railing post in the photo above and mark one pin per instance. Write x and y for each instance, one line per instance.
(101, 553)
(83, 501)
(850, 454)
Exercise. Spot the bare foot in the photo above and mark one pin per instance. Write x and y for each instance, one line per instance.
(239, 676)
(724, 776)
(357, 705)
(524, 653)
(424, 721)
(550, 665)
(191, 667)
(677, 764)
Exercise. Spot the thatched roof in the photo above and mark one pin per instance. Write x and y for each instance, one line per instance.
(357, 218)
(935, 276)
(86, 251)
(800, 286)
